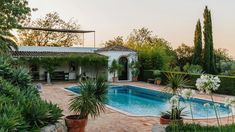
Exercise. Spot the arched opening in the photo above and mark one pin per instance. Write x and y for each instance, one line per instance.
(123, 75)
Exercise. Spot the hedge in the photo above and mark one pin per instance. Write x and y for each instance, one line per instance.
(199, 128)
(227, 85)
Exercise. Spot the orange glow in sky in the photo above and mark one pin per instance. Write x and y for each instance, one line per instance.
(173, 20)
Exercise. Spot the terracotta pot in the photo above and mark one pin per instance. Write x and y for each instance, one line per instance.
(74, 124)
(157, 82)
(164, 121)
(115, 79)
(134, 79)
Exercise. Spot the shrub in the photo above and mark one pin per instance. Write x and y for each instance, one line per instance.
(55, 112)
(11, 118)
(197, 69)
(17, 76)
(24, 110)
(21, 77)
(35, 112)
(227, 85)
(199, 128)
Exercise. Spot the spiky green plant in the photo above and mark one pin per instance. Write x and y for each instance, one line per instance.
(175, 82)
(91, 100)
(11, 118)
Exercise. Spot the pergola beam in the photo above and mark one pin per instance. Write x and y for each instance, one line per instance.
(61, 30)
(58, 30)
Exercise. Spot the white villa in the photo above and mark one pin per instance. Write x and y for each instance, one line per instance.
(69, 71)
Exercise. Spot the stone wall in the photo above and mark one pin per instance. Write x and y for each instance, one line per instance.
(58, 127)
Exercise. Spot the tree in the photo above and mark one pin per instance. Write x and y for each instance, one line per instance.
(209, 57)
(47, 38)
(12, 15)
(184, 54)
(143, 38)
(116, 41)
(197, 55)
(221, 55)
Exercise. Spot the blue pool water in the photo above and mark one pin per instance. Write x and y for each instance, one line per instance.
(144, 102)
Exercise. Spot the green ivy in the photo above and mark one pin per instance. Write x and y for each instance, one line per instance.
(50, 63)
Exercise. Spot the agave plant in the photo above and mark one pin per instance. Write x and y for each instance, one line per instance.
(91, 100)
(11, 118)
(175, 82)
(21, 77)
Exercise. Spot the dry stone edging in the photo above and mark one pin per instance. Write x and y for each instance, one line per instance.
(58, 127)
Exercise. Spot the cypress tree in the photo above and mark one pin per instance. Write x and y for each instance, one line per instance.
(209, 57)
(197, 56)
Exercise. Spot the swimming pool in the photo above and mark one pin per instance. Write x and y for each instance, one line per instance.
(138, 101)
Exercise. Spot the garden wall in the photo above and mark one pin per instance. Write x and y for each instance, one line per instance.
(227, 85)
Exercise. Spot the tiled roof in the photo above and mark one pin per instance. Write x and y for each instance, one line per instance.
(46, 54)
(115, 48)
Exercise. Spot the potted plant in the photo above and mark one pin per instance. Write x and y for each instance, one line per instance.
(157, 74)
(134, 66)
(90, 101)
(175, 82)
(114, 69)
(173, 116)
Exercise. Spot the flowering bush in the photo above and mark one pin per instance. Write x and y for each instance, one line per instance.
(188, 93)
(230, 101)
(208, 83)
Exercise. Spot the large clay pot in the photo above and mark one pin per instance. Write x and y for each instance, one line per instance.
(74, 124)
(157, 82)
(115, 79)
(134, 79)
(164, 121)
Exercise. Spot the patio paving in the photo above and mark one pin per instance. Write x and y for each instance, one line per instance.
(111, 120)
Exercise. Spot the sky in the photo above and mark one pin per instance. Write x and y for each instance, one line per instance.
(173, 20)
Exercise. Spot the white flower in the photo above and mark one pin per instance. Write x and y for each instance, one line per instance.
(208, 83)
(206, 105)
(174, 101)
(229, 101)
(188, 93)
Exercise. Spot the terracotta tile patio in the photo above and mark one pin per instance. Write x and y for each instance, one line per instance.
(111, 120)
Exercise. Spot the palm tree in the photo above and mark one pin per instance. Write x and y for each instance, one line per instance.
(7, 43)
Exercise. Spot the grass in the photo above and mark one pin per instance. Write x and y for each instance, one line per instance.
(199, 128)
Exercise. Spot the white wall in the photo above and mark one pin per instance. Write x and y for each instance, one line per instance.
(131, 56)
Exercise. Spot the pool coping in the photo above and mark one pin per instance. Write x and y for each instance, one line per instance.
(133, 115)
